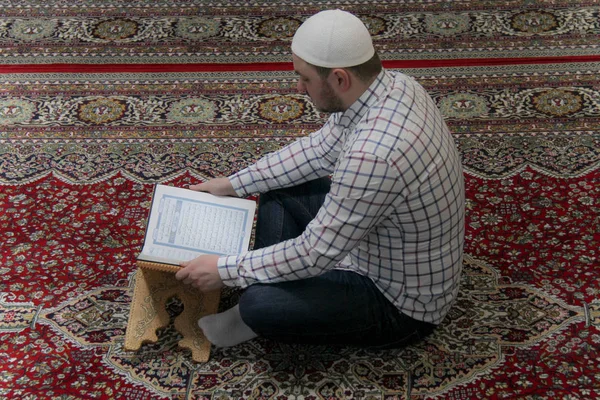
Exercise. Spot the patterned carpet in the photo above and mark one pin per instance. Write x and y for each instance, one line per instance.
(80, 152)
(196, 31)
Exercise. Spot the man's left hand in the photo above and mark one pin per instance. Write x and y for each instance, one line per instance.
(201, 273)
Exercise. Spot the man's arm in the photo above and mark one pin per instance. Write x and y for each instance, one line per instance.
(362, 192)
(306, 159)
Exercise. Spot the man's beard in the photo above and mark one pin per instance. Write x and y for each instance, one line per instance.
(331, 102)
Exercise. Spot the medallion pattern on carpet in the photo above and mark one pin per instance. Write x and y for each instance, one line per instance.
(227, 32)
(527, 321)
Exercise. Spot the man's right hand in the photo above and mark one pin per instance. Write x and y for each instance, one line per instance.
(217, 186)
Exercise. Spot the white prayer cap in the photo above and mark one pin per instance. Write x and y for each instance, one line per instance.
(333, 39)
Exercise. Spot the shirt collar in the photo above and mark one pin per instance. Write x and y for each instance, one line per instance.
(350, 117)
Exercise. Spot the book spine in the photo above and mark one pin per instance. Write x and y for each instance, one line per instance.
(158, 266)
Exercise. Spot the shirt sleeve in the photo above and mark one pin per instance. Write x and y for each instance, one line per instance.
(306, 159)
(363, 190)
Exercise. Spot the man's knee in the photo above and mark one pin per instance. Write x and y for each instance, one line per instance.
(259, 308)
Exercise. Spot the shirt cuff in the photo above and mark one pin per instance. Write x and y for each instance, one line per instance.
(227, 266)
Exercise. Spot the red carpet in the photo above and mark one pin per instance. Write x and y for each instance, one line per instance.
(98, 103)
(281, 66)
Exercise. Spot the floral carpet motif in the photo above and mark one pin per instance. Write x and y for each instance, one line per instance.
(200, 31)
(526, 322)
(86, 127)
(79, 154)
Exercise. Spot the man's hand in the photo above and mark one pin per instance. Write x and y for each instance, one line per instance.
(201, 272)
(217, 186)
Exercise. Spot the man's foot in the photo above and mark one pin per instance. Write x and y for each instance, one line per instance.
(226, 329)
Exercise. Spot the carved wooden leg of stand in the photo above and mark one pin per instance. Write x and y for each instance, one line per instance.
(148, 312)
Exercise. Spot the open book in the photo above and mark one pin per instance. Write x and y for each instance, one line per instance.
(184, 224)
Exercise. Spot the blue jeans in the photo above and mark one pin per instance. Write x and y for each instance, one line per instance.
(335, 308)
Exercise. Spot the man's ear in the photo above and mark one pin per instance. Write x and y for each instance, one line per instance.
(341, 78)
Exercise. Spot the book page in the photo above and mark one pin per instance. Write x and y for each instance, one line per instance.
(184, 224)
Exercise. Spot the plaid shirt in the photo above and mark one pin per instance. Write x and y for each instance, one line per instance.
(395, 211)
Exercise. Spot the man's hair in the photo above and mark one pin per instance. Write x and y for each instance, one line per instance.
(364, 71)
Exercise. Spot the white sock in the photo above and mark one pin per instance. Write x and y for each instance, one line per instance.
(226, 329)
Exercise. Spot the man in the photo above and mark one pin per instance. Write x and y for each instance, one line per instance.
(369, 257)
